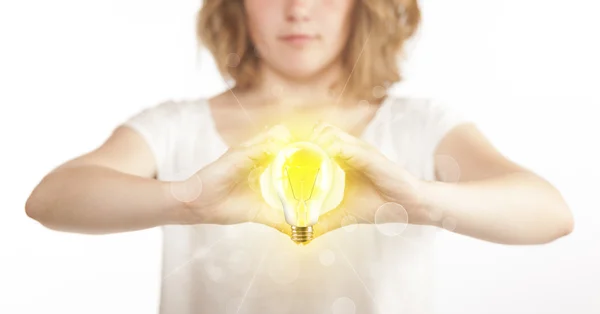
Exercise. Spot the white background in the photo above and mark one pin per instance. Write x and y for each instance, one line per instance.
(70, 71)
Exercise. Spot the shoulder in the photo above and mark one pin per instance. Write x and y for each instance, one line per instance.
(169, 110)
(174, 106)
(426, 112)
(159, 121)
(422, 105)
(427, 120)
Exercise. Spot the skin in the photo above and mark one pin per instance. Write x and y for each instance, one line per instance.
(328, 21)
(113, 187)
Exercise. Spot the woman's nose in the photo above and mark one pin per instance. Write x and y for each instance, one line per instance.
(299, 10)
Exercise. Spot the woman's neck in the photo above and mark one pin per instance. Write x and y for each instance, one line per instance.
(275, 86)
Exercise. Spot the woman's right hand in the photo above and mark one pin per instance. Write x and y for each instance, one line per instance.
(230, 188)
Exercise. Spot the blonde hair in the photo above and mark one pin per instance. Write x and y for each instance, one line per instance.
(377, 37)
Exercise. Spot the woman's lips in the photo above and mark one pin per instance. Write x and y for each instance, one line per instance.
(298, 39)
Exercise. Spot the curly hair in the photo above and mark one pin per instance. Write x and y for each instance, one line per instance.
(377, 37)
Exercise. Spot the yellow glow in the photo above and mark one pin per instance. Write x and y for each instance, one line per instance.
(304, 182)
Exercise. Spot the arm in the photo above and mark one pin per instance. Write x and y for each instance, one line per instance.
(495, 199)
(111, 189)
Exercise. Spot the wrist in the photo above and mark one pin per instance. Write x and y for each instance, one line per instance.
(179, 209)
(431, 211)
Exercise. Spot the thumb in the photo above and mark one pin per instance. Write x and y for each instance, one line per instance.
(353, 155)
(270, 217)
(330, 221)
(259, 149)
(243, 159)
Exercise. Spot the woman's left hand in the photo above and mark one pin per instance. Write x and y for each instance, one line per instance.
(372, 180)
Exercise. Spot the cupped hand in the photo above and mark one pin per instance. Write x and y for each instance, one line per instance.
(230, 188)
(373, 182)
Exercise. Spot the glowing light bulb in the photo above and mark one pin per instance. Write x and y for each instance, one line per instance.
(305, 183)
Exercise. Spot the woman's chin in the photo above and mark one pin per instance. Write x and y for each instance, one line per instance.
(302, 71)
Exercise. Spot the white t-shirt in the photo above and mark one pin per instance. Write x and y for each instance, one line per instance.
(253, 269)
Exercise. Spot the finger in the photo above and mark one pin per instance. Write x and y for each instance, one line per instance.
(330, 221)
(270, 217)
(327, 136)
(326, 140)
(244, 159)
(348, 149)
(322, 129)
(353, 155)
(318, 130)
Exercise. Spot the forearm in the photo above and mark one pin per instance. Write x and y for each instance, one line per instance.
(97, 200)
(517, 208)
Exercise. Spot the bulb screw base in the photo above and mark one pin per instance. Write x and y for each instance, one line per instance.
(302, 235)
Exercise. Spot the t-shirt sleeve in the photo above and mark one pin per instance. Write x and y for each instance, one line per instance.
(441, 118)
(156, 125)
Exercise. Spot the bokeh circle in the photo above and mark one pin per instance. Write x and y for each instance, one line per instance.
(343, 305)
(391, 219)
(187, 190)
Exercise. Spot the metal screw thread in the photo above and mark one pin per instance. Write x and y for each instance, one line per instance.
(302, 235)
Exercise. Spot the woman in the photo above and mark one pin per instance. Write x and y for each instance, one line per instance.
(316, 70)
